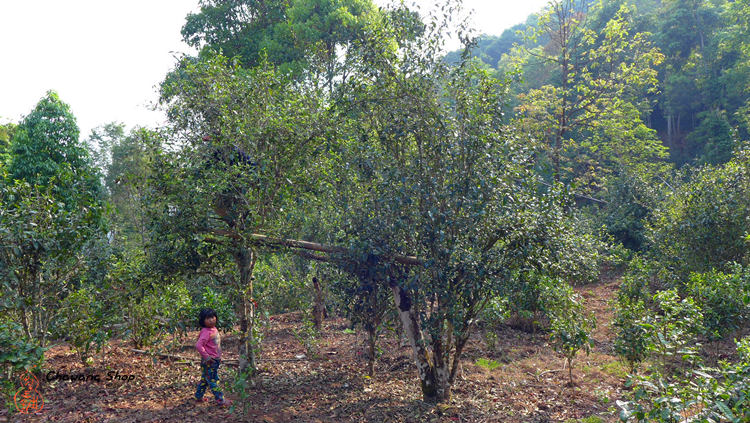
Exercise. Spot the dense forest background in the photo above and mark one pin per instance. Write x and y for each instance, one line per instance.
(697, 106)
(328, 157)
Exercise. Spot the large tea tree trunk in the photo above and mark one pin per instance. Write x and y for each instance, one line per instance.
(434, 367)
(245, 259)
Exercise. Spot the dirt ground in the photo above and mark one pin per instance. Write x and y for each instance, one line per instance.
(529, 385)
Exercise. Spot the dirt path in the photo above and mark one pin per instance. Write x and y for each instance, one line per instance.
(528, 384)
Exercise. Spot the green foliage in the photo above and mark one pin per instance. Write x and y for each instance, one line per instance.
(18, 353)
(50, 213)
(652, 319)
(703, 76)
(124, 161)
(45, 147)
(631, 342)
(724, 298)
(632, 197)
(703, 395)
(43, 249)
(84, 316)
(450, 184)
(493, 316)
(570, 325)
(45, 140)
(487, 363)
(237, 27)
(209, 297)
(159, 311)
(291, 34)
(281, 284)
(6, 135)
(702, 225)
(712, 138)
(634, 306)
(308, 337)
(241, 388)
(673, 327)
(588, 114)
(249, 134)
(489, 48)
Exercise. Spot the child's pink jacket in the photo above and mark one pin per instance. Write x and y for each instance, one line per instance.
(209, 344)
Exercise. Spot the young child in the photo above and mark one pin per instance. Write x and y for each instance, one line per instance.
(209, 347)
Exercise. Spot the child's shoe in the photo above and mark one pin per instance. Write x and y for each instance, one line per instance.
(201, 400)
(224, 403)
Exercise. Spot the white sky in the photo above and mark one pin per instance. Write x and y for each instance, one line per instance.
(106, 57)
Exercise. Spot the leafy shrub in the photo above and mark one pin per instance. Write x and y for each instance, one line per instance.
(712, 139)
(673, 326)
(523, 296)
(281, 284)
(160, 311)
(17, 353)
(631, 342)
(703, 224)
(666, 325)
(308, 337)
(724, 298)
(631, 199)
(642, 279)
(698, 395)
(570, 325)
(83, 320)
(211, 298)
(487, 363)
(493, 316)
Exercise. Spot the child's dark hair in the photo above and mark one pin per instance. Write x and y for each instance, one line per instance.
(206, 313)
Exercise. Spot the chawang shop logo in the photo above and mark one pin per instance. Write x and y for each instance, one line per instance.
(28, 399)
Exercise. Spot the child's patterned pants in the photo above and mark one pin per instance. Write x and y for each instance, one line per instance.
(209, 379)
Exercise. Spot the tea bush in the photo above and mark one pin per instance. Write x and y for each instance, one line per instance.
(160, 311)
(700, 395)
(84, 318)
(723, 297)
(17, 354)
(212, 298)
(631, 342)
(571, 326)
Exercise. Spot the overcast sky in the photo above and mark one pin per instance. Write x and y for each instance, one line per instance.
(105, 57)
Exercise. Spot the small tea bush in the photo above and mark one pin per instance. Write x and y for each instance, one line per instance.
(700, 395)
(487, 363)
(673, 327)
(493, 316)
(308, 337)
(84, 318)
(723, 297)
(571, 326)
(161, 310)
(17, 354)
(631, 342)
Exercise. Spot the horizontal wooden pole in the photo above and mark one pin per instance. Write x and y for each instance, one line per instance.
(314, 246)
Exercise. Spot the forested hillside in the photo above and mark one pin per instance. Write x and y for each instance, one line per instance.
(699, 111)
(548, 225)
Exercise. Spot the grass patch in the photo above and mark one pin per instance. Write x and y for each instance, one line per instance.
(615, 368)
(589, 419)
(488, 364)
